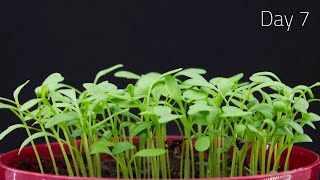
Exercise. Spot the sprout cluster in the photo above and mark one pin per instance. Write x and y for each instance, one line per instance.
(228, 127)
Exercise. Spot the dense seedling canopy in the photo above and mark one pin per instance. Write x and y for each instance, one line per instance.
(226, 124)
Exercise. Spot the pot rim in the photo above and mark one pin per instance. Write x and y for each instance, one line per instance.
(283, 174)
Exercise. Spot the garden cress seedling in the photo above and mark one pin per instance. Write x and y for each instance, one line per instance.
(228, 127)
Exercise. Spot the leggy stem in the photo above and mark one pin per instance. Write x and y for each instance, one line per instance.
(286, 166)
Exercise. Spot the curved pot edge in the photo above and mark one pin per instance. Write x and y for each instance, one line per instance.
(282, 175)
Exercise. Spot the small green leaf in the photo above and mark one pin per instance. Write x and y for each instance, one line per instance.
(265, 73)
(271, 123)
(169, 117)
(216, 80)
(279, 106)
(137, 129)
(107, 134)
(101, 147)
(304, 88)
(199, 82)
(216, 132)
(123, 103)
(240, 95)
(239, 129)
(162, 110)
(225, 85)
(250, 135)
(287, 130)
(71, 93)
(7, 106)
(77, 133)
(268, 84)
(301, 105)
(145, 82)
(50, 84)
(229, 142)
(17, 91)
(53, 78)
(236, 77)
(29, 104)
(193, 94)
(267, 113)
(310, 124)
(194, 76)
(62, 117)
(202, 143)
(33, 137)
(310, 117)
(239, 104)
(106, 71)
(93, 88)
(126, 124)
(265, 96)
(150, 152)
(173, 88)
(313, 117)
(260, 79)
(130, 89)
(10, 129)
(147, 112)
(200, 121)
(232, 111)
(252, 128)
(127, 75)
(191, 71)
(199, 107)
(300, 138)
(121, 147)
(32, 114)
(261, 106)
(158, 90)
(296, 127)
(108, 87)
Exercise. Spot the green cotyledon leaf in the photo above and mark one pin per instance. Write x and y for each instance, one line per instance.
(121, 147)
(162, 110)
(106, 71)
(173, 88)
(202, 143)
(10, 129)
(169, 117)
(193, 94)
(232, 111)
(17, 91)
(29, 104)
(62, 117)
(101, 146)
(150, 152)
(33, 137)
(300, 138)
(191, 71)
(301, 105)
(127, 75)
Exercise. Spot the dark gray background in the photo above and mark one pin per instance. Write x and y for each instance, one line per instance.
(78, 39)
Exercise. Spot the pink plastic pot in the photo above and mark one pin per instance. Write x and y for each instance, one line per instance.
(305, 165)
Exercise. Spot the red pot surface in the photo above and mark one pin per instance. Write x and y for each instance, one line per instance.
(305, 165)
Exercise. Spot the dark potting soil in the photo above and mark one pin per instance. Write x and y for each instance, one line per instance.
(30, 164)
(108, 166)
